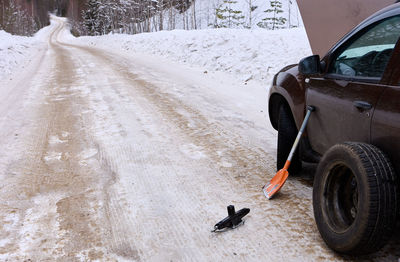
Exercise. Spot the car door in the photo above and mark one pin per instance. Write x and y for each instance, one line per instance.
(346, 95)
(385, 126)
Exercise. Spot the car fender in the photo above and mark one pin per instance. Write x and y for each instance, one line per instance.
(287, 87)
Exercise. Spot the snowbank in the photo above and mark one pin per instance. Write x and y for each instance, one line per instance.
(249, 54)
(14, 50)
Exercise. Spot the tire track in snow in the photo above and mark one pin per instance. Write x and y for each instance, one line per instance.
(225, 159)
(291, 216)
(57, 186)
(133, 159)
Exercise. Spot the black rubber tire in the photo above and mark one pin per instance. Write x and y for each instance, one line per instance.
(355, 198)
(287, 132)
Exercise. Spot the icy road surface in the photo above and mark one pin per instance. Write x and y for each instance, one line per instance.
(106, 156)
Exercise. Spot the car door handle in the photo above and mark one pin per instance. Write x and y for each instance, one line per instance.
(362, 105)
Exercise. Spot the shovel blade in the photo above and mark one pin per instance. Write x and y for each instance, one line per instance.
(276, 183)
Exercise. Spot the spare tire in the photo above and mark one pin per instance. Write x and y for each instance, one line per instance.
(355, 198)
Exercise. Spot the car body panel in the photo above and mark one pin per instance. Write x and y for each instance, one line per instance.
(385, 127)
(336, 119)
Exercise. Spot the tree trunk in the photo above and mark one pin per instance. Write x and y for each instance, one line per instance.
(194, 14)
(289, 20)
(274, 21)
(161, 21)
(250, 14)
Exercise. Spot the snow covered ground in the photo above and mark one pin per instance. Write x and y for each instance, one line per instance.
(247, 54)
(14, 51)
(110, 151)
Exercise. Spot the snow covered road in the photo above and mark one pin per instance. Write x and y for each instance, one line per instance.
(111, 156)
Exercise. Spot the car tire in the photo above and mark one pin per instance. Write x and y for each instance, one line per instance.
(355, 198)
(287, 132)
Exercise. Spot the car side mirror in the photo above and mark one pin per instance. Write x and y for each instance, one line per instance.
(310, 65)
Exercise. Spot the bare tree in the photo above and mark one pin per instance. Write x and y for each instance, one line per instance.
(194, 22)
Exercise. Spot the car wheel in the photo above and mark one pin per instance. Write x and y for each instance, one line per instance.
(287, 132)
(355, 198)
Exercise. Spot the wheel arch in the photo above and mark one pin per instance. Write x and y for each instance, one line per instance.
(275, 102)
(288, 89)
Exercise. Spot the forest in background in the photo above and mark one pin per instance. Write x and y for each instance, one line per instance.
(24, 17)
(97, 17)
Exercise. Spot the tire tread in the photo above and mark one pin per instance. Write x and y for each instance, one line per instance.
(287, 132)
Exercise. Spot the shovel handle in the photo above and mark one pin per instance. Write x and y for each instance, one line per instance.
(303, 127)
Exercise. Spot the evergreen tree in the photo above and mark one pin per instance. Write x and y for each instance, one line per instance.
(273, 21)
(228, 17)
(91, 18)
(16, 20)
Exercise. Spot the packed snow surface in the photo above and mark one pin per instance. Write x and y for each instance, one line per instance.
(248, 54)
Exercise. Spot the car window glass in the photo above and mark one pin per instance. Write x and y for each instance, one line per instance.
(368, 55)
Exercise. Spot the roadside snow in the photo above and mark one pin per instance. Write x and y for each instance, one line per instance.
(248, 54)
(17, 51)
(14, 50)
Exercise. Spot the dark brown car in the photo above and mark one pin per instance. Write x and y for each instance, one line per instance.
(354, 133)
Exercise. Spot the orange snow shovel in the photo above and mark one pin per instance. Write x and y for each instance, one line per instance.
(281, 176)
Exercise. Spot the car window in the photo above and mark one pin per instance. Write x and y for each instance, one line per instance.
(368, 54)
